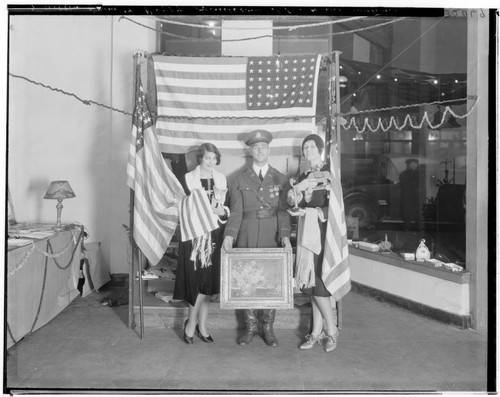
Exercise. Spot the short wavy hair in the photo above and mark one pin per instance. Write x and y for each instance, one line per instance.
(207, 147)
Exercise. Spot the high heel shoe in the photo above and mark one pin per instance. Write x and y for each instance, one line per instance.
(187, 339)
(206, 339)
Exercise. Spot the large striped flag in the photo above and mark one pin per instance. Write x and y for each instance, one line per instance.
(220, 99)
(157, 191)
(336, 272)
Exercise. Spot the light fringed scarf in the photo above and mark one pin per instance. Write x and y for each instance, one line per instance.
(308, 244)
(197, 220)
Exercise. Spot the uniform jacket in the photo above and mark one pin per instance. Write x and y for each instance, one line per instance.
(247, 230)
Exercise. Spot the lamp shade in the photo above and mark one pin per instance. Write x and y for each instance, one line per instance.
(59, 190)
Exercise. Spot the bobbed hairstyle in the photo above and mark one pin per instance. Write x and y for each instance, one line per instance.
(207, 147)
(317, 140)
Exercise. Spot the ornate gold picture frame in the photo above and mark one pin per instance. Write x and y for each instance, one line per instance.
(256, 278)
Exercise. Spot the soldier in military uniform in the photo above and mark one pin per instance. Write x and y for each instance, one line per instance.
(258, 219)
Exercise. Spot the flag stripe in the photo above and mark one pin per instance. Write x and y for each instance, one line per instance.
(336, 270)
(219, 99)
(156, 189)
(197, 217)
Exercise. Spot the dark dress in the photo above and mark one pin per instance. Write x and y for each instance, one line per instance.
(319, 199)
(204, 280)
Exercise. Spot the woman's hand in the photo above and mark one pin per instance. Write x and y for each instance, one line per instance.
(306, 185)
(219, 210)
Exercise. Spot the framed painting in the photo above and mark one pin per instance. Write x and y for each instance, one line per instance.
(256, 278)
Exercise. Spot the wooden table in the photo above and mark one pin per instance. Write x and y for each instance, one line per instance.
(39, 286)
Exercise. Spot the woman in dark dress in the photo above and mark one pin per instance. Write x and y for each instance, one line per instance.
(311, 198)
(198, 266)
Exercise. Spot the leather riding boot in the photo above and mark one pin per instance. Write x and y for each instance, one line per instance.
(267, 327)
(251, 327)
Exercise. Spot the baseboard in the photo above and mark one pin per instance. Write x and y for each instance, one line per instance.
(463, 322)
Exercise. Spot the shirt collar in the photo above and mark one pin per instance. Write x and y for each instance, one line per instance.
(264, 169)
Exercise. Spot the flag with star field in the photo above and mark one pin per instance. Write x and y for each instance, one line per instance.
(157, 192)
(220, 99)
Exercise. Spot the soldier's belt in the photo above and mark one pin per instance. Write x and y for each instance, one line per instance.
(259, 214)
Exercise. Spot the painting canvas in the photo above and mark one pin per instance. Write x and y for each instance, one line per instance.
(256, 278)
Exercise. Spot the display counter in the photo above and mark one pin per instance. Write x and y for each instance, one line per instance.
(433, 291)
(43, 268)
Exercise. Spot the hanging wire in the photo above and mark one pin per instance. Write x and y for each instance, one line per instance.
(307, 25)
(84, 101)
(199, 39)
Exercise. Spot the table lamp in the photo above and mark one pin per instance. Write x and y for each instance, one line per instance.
(59, 190)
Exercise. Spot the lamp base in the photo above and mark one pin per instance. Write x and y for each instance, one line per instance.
(59, 228)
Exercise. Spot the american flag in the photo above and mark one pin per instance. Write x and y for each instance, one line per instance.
(220, 99)
(336, 273)
(157, 191)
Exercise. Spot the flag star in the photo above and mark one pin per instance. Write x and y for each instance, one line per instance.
(303, 60)
(284, 102)
(292, 93)
(286, 70)
(276, 103)
(286, 61)
(312, 59)
(294, 69)
(310, 83)
(277, 86)
(268, 70)
(311, 76)
(294, 85)
(250, 87)
(285, 78)
(303, 68)
(268, 78)
(250, 95)
(251, 62)
(260, 61)
(268, 87)
(292, 101)
(260, 79)
(301, 92)
(259, 95)
(259, 87)
(308, 100)
(277, 70)
(285, 86)
(250, 103)
(268, 62)
(250, 71)
(312, 67)
(267, 103)
(277, 78)
(294, 61)
(309, 92)
(294, 77)
(300, 100)
(260, 70)
(302, 84)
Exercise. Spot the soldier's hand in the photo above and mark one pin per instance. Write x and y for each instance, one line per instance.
(285, 242)
(227, 244)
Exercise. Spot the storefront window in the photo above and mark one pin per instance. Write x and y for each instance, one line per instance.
(404, 153)
(408, 183)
